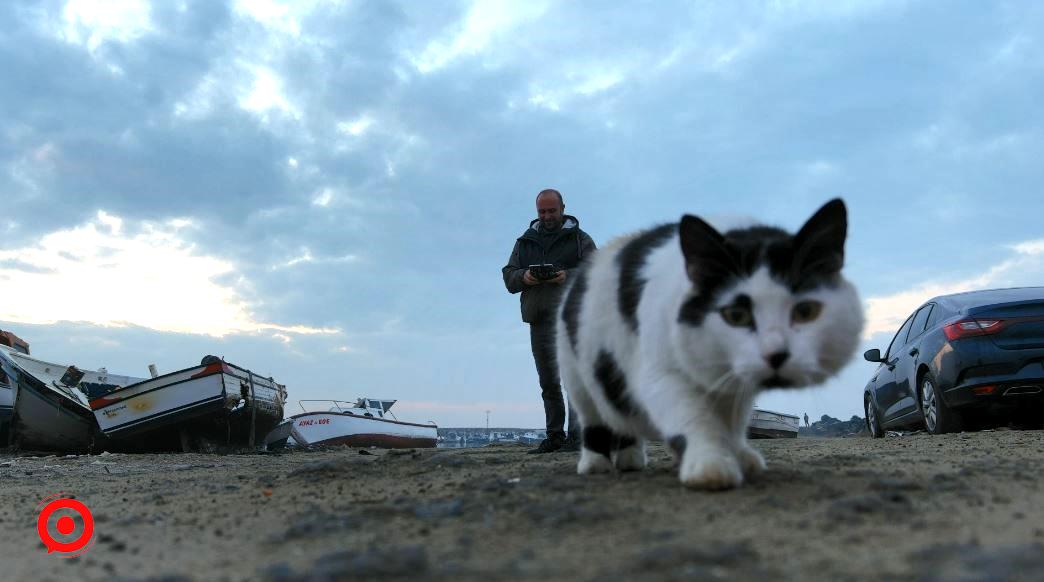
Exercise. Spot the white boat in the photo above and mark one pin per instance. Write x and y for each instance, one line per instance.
(6, 407)
(49, 403)
(364, 423)
(8, 386)
(278, 437)
(767, 424)
(215, 401)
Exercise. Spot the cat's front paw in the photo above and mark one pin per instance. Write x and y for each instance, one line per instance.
(591, 462)
(710, 471)
(751, 461)
(632, 458)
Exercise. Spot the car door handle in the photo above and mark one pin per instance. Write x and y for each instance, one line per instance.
(914, 352)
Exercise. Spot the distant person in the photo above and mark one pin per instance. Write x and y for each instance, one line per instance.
(554, 238)
(806, 420)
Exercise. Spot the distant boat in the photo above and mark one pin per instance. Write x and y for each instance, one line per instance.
(215, 402)
(364, 423)
(531, 437)
(767, 424)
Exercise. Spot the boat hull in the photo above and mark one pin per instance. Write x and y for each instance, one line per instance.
(46, 412)
(278, 436)
(343, 428)
(766, 424)
(45, 420)
(215, 403)
(6, 404)
(7, 397)
(37, 411)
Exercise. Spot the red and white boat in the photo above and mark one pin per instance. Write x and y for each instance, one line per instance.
(215, 401)
(364, 423)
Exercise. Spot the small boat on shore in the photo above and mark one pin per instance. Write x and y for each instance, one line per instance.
(49, 407)
(364, 423)
(278, 437)
(7, 385)
(767, 424)
(215, 402)
(6, 407)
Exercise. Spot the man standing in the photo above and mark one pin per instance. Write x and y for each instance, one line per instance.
(553, 238)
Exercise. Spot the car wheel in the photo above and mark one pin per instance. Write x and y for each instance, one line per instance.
(938, 417)
(873, 424)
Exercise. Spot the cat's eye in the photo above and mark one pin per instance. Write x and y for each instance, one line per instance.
(806, 311)
(737, 316)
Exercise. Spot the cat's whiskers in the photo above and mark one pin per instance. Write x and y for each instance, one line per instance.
(703, 366)
(720, 382)
(739, 405)
(723, 387)
(740, 392)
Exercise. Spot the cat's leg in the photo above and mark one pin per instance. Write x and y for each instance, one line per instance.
(595, 451)
(596, 440)
(751, 461)
(708, 460)
(629, 453)
(736, 409)
(701, 440)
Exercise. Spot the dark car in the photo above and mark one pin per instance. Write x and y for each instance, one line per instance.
(961, 356)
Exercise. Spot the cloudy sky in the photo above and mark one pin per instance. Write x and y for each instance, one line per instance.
(326, 191)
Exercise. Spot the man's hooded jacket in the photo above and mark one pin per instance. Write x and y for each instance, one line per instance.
(564, 248)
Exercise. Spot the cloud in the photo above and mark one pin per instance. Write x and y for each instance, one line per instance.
(273, 15)
(886, 313)
(357, 127)
(484, 22)
(306, 258)
(149, 276)
(91, 23)
(1030, 247)
(265, 95)
(295, 137)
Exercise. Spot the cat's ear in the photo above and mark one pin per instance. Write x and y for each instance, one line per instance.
(703, 248)
(819, 247)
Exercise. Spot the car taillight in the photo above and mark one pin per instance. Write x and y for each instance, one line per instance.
(972, 327)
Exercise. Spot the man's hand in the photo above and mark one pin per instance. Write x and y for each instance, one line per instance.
(559, 278)
(529, 279)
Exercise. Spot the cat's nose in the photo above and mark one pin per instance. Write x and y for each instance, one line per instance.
(777, 359)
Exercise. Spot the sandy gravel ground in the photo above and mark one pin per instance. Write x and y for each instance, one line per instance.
(955, 507)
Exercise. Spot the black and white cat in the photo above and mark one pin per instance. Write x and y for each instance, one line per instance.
(671, 333)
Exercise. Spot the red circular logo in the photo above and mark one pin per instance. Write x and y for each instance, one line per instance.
(65, 526)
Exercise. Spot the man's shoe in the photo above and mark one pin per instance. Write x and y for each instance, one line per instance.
(548, 445)
(571, 445)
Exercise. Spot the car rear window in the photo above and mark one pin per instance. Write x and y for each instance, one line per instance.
(920, 320)
(900, 338)
(933, 319)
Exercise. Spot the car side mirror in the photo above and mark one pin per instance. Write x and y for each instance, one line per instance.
(873, 355)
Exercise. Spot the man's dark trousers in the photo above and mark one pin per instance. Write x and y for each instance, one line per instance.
(542, 340)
